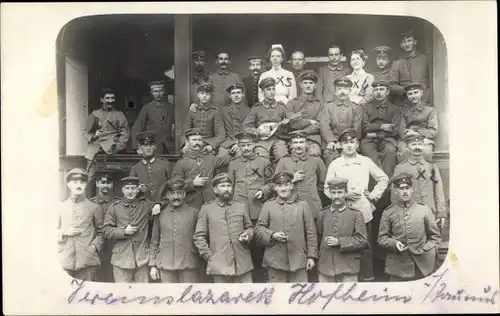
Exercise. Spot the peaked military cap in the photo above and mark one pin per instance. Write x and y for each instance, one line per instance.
(250, 58)
(342, 82)
(157, 83)
(400, 179)
(175, 184)
(103, 175)
(193, 131)
(146, 137)
(282, 177)
(348, 133)
(413, 86)
(380, 83)
(413, 136)
(207, 86)
(382, 50)
(337, 183)
(297, 134)
(76, 174)
(197, 54)
(237, 85)
(246, 136)
(267, 82)
(130, 181)
(309, 75)
(220, 178)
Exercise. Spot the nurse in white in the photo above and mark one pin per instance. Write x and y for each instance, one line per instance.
(361, 91)
(286, 87)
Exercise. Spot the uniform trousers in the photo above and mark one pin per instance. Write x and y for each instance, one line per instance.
(338, 278)
(138, 275)
(259, 273)
(179, 276)
(87, 273)
(382, 152)
(366, 263)
(272, 148)
(280, 276)
(105, 271)
(244, 278)
(418, 276)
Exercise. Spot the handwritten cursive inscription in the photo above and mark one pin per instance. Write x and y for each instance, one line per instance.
(307, 294)
(439, 291)
(189, 295)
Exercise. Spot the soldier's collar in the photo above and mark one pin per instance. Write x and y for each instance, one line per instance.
(340, 210)
(222, 203)
(412, 54)
(268, 105)
(338, 67)
(159, 104)
(304, 97)
(104, 109)
(302, 157)
(77, 199)
(201, 107)
(406, 204)
(412, 161)
(290, 200)
(170, 208)
(193, 154)
(339, 102)
(222, 72)
(380, 104)
(252, 157)
(385, 70)
(132, 203)
(103, 199)
(144, 161)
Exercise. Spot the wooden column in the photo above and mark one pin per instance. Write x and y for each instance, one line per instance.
(440, 88)
(182, 62)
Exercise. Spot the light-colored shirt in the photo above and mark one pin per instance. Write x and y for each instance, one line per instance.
(361, 91)
(286, 87)
(357, 171)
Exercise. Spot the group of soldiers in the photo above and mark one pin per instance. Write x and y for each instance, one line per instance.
(244, 201)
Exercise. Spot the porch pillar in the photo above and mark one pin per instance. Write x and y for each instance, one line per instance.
(182, 62)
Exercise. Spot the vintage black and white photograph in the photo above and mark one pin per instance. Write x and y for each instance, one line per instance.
(252, 148)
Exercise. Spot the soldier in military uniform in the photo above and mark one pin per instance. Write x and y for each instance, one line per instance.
(298, 61)
(173, 256)
(338, 115)
(409, 233)
(383, 62)
(197, 169)
(207, 118)
(126, 226)
(325, 90)
(311, 108)
(104, 198)
(342, 235)
(251, 82)
(222, 78)
(79, 229)
(427, 182)
(223, 232)
(420, 118)
(199, 75)
(268, 111)
(158, 117)
(412, 67)
(286, 228)
(383, 128)
(252, 184)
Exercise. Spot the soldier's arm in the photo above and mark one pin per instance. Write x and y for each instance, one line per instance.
(219, 131)
(250, 121)
(385, 239)
(201, 235)
(318, 92)
(394, 86)
(179, 173)
(358, 120)
(60, 232)
(139, 125)
(124, 132)
(381, 179)
(319, 225)
(262, 232)
(267, 189)
(439, 197)
(247, 222)
(314, 129)
(222, 161)
(155, 242)
(330, 174)
(311, 234)
(399, 123)
(321, 174)
(298, 124)
(110, 229)
(133, 172)
(325, 127)
(359, 239)
(432, 231)
(366, 125)
(432, 126)
(88, 132)
(98, 219)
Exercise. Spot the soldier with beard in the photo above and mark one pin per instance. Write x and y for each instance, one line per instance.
(222, 79)
(106, 129)
(199, 75)
(157, 117)
(252, 81)
(223, 232)
(104, 198)
(298, 62)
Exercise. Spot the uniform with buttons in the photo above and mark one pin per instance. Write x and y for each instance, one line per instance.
(233, 116)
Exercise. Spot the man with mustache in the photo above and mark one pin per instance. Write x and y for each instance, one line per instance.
(298, 61)
(223, 232)
(285, 85)
(336, 116)
(358, 169)
(173, 257)
(383, 127)
(311, 109)
(197, 169)
(158, 117)
(222, 79)
(342, 236)
(267, 111)
(199, 75)
(325, 90)
(106, 129)
(126, 226)
(420, 118)
(233, 115)
(427, 183)
(409, 233)
(383, 63)
(79, 229)
(286, 228)
(251, 82)
(251, 177)
(104, 198)
(207, 117)
(412, 67)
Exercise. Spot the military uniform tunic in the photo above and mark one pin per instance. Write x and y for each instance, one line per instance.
(208, 119)
(311, 109)
(251, 89)
(153, 173)
(233, 116)
(411, 68)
